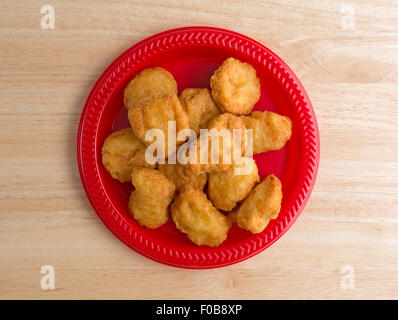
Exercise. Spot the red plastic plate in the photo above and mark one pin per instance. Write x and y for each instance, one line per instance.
(192, 54)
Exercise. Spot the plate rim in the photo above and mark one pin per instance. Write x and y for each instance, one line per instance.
(216, 257)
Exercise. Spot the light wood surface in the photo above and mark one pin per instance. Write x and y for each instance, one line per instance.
(351, 76)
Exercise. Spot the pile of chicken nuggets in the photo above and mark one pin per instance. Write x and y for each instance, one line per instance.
(202, 199)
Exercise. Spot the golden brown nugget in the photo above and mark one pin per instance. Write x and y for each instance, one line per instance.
(225, 121)
(149, 83)
(149, 201)
(262, 205)
(199, 106)
(235, 87)
(121, 152)
(186, 93)
(196, 216)
(226, 189)
(182, 175)
(270, 130)
(154, 114)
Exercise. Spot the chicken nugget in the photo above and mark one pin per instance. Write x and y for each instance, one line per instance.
(218, 157)
(181, 175)
(235, 87)
(196, 216)
(149, 201)
(226, 189)
(186, 93)
(121, 152)
(149, 83)
(270, 130)
(199, 106)
(262, 205)
(155, 113)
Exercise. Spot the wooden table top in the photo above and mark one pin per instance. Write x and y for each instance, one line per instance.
(345, 243)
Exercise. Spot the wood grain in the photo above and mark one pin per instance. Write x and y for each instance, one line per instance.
(351, 219)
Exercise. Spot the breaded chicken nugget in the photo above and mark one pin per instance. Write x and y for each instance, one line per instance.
(225, 150)
(235, 87)
(262, 205)
(270, 130)
(186, 93)
(149, 83)
(121, 152)
(154, 114)
(182, 175)
(195, 215)
(149, 201)
(226, 189)
(199, 106)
